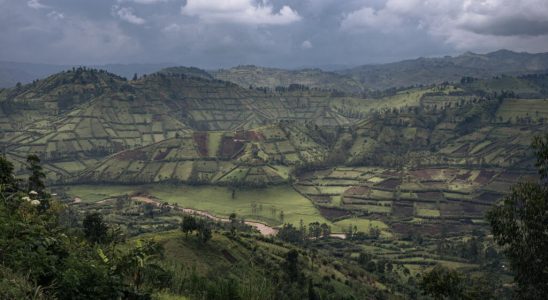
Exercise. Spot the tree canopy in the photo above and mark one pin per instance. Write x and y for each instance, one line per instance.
(520, 226)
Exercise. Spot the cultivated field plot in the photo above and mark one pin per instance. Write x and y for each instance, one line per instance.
(535, 109)
(396, 196)
(244, 157)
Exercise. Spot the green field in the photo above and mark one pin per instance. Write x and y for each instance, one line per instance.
(218, 201)
(534, 108)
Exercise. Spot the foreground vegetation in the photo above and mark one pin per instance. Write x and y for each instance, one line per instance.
(46, 253)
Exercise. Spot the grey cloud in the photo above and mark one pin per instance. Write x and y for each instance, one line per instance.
(215, 33)
(510, 27)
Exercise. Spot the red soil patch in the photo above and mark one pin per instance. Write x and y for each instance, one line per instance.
(484, 177)
(131, 155)
(390, 173)
(430, 196)
(249, 136)
(356, 190)
(230, 146)
(462, 149)
(391, 183)
(332, 213)
(509, 176)
(473, 209)
(161, 155)
(425, 174)
(463, 177)
(490, 197)
(422, 174)
(451, 209)
(200, 138)
(402, 209)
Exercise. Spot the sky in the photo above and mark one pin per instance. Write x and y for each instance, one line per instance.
(278, 33)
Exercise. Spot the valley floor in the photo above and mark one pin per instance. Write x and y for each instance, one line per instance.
(264, 205)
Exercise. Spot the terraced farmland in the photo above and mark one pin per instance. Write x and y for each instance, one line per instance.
(415, 158)
(429, 199)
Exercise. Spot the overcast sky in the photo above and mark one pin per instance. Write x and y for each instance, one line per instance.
(283, 33)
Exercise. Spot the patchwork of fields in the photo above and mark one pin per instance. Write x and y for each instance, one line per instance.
(430, 158)
(432, 199)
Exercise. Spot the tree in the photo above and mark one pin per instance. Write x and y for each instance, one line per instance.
(519, 225)
(141, 265)
(314, 230)
(204, 231)
(41, 259)
(291, 265)
(188, 225)
(95, 229)
(6, 173)
(442, 283)
(326, 230)
(37, 175)
(288, 233)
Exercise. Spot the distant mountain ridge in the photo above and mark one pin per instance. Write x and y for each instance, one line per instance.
(426, 71)
(13, 72)
(256, 76)
(357, 80)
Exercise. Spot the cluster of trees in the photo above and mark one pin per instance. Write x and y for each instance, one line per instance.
(202, 228)
(475, 249)
(444, 283)
(42, 259)
(291, 234)
(352, 233)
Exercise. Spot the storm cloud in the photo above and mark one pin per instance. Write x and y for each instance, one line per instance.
(283, 33)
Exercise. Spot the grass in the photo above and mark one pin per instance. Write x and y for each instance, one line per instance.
(402, 99)
(511, 108)
(213, 142)
(93, 193)
(364, 225)
(425, 212)
(167, 296)
(218, 200)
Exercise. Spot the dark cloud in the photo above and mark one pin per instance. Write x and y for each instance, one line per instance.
(511, 27)
(285, 33)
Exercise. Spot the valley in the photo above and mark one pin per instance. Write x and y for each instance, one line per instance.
(404, 178)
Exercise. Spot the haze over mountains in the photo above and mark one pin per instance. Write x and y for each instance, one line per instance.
(420, 71)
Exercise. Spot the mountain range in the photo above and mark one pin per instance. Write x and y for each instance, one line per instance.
(356, 80)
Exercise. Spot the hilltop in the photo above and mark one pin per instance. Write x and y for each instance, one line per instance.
(427, 71)
(354, 80)
(254, 76)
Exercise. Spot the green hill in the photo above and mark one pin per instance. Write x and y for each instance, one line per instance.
(409, 158)
(255, 76)
(427, 71)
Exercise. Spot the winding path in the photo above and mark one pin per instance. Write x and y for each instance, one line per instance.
(262, 228)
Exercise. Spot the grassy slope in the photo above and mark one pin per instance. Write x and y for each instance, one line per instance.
(252, 261)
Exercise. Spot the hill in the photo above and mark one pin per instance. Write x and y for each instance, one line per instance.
(254, 76)
(413, 158)
(13, 72)
(427, 71)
